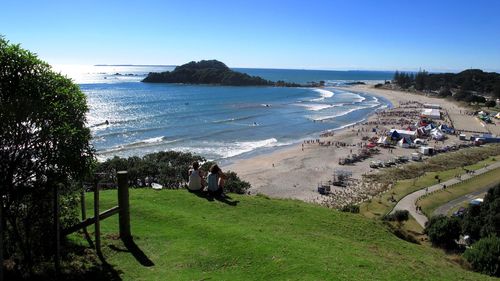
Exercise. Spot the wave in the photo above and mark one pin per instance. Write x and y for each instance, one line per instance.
(139, 144)
(324, 94)
(322, 118)
(318, 107)
(235, 119)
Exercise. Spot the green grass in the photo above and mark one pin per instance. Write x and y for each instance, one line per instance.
(434, 200)
(192, 238)
(381, 204)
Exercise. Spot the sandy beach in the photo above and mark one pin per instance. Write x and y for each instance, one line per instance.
(297, 171)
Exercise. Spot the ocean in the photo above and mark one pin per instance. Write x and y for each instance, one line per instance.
(221, 123)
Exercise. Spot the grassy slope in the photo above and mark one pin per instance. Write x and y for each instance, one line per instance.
(433, 201)
(191, 238)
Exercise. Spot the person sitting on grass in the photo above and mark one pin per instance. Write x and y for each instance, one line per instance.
(196, 182)
(215, 181)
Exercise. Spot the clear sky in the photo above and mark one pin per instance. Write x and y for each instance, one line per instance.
(435, 35)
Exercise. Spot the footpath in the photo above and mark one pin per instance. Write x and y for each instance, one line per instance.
(409, 201)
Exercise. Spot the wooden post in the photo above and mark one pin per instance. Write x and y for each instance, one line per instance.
(123, 204)
(57, 229)
(1, 238)
(84, 207)
(97, 222)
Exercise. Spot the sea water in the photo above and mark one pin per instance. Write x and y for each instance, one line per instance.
(218, 122)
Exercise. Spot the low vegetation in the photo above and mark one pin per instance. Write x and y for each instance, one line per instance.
(186, 237)
(168, 168)
(481, 224)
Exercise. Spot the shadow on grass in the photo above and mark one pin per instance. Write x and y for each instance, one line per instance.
(131, 247)
(221, 198)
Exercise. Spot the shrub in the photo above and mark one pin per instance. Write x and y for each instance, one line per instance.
(234, 184)
(398, 216)
(484, 256)
(351, 208)
(443, 231)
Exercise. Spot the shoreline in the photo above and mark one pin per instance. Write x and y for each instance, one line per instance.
(226, 162)
(296, 171)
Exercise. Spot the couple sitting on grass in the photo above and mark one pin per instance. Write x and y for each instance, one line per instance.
(214, 182)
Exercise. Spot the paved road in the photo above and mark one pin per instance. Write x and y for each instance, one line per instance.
(445, 209)
(408, 202)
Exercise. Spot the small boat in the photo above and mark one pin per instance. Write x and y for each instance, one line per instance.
(156, 186)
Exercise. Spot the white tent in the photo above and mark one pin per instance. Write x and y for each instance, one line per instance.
(431, 113)
(437, 134)
(419, 141)
(404, 133)
(404, 142)
(383, 140)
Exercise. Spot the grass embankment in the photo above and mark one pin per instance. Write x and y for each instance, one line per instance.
(191, 238)
(405, 180)
(431, 202)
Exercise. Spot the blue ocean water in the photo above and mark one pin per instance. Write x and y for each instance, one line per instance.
(217, 122)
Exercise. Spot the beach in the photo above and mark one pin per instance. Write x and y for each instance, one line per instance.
(297, 171)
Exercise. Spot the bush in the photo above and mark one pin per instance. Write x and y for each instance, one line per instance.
(443, 231)
(398, 216)
(234, 184)
(484, 256)
(351, 208)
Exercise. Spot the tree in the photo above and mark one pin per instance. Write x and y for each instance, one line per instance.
(43, 144)
(484, 256)
(443, 231)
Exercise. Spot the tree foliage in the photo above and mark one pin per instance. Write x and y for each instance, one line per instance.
(43, 144)
(169, 168)
(484, 256)
(469, 81)
(484, 220)
(443, 231)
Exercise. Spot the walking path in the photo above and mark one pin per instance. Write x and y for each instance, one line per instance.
(408, 202)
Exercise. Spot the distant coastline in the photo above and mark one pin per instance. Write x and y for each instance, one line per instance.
(138, 65)
(214, 72)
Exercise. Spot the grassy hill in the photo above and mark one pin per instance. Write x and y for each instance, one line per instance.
(188, 237)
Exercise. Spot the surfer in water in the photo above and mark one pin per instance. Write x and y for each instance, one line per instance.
(100, 124)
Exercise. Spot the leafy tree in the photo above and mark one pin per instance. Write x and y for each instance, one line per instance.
(443, 231)
(472, 223)
(484, 256)
(421, 80)
(44, 144)
(445, 92)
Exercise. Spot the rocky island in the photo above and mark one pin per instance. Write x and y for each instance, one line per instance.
(214, 72)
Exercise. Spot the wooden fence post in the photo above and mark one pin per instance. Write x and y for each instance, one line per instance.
(97, 222)
(57, 229)
(123, 204)
(1, 238)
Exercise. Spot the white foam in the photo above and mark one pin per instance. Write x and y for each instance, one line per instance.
(322, 118)
(317, 107)
(153, 140)
(324, 94)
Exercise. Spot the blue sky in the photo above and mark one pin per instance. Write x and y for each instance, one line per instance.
(337, 34)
